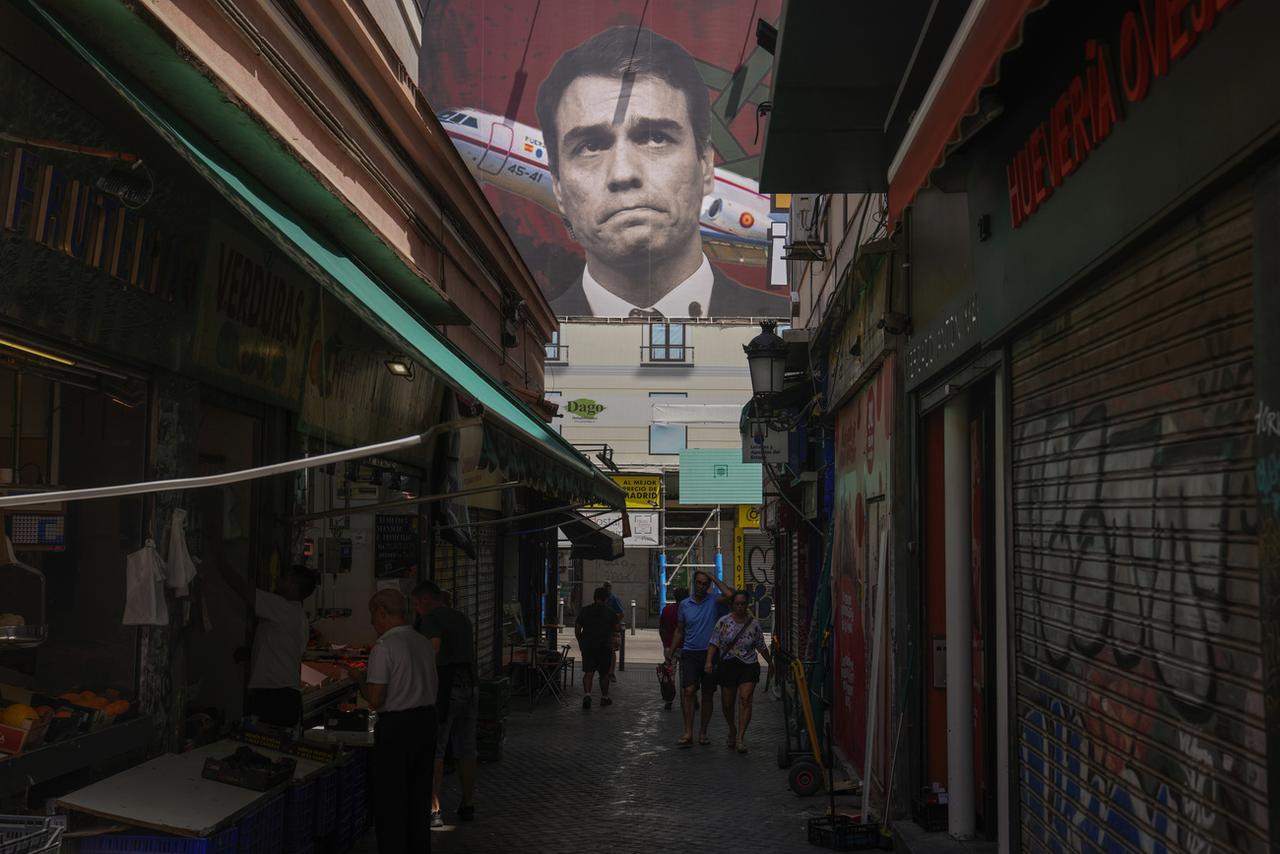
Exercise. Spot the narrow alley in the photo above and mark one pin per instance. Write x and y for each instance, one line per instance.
(612, 780)
(377, 374)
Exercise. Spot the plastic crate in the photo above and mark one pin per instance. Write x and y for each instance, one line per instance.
(842, 833)
(29, 834)
(930, 816)
(262, 831)
(299, 817)
(327, 785)
(133, 843)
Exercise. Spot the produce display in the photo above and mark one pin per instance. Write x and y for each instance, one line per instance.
(42, 718)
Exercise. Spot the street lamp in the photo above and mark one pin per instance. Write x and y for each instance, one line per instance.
(767, 360)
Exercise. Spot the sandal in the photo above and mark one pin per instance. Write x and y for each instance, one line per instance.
(742, 748)
(685, 741)
(703, 740)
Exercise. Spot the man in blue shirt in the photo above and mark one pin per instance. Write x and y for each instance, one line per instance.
(694, 622)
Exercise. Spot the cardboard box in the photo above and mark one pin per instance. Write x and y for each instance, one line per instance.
(27, 737)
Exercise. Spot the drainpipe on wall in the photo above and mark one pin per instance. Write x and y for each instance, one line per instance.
(955, 426)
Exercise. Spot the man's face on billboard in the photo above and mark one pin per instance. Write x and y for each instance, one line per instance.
(632, 191)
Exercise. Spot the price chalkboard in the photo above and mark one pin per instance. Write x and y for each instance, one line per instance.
(396, 545)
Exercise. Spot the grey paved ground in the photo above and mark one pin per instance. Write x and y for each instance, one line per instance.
(612, 780)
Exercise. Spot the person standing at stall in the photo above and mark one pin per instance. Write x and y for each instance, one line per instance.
(451, 636)
(275, 664)
(400, 685)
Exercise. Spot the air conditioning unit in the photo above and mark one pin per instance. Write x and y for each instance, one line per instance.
(806, 229)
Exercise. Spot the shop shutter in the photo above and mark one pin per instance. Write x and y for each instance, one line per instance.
(473, 584)
(758, 572)
(1139, 695)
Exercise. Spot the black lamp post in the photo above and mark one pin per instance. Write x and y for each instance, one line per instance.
(767, 360)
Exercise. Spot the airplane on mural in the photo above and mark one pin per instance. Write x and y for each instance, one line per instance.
(509, 155)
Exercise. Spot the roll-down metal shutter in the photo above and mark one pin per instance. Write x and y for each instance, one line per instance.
(758, 573)
(1139, 705)
(473, 584)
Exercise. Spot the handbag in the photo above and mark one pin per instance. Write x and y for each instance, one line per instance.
(724, 653)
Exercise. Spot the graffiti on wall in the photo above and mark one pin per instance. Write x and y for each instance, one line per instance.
(863, 433)
(1137, 600)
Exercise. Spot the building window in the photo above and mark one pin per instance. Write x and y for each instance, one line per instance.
(555, 351)
(666, 342)
(667, 438)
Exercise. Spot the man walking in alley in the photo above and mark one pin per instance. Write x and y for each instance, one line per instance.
(451, 636)
(694, 622)
(595, 630)
(400, 685)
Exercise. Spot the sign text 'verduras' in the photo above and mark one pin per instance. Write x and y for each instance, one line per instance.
(1152, 36)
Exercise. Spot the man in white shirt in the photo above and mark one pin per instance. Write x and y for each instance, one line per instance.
(275, 665)
(400, 685)
(627, 124)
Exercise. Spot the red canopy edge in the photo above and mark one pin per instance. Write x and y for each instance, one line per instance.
(995, 30)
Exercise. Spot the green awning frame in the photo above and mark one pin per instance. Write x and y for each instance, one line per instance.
(557, 469)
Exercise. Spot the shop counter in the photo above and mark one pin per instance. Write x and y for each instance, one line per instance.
(316, 700)
(169, 794)
(54, 760)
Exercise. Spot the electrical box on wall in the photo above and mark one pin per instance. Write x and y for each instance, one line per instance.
(810, 492)
(335, 554)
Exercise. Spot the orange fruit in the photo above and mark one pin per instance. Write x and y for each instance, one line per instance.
(70, 697)
(62, 713)
(17, 714)
(44, 710)
(87, 695)
(96, 702)
(119, 707)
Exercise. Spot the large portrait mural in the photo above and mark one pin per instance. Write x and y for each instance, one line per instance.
(620, 153)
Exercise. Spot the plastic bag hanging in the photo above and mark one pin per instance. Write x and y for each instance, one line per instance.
(180, 568)
(144, 603)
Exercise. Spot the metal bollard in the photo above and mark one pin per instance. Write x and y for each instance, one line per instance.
(633, 616)
(560, 612)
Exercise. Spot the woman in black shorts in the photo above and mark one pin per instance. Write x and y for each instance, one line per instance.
(739, 639)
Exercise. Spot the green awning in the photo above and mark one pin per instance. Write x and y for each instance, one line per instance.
(557, 469)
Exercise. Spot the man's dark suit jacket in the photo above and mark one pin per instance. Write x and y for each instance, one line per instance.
(728, 299)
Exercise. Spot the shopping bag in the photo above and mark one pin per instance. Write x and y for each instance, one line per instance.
(667, 682)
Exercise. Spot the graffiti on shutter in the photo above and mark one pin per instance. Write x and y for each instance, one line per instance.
(1139, 695)
(757, 571)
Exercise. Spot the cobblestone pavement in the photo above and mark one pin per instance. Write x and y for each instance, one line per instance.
(613, 780)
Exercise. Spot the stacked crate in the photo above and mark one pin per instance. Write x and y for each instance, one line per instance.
(300, 818)
(160, 843)
(495, 702)
(262, 831)
(352, 814)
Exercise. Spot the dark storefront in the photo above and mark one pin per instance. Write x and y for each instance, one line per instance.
(1138, 610)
